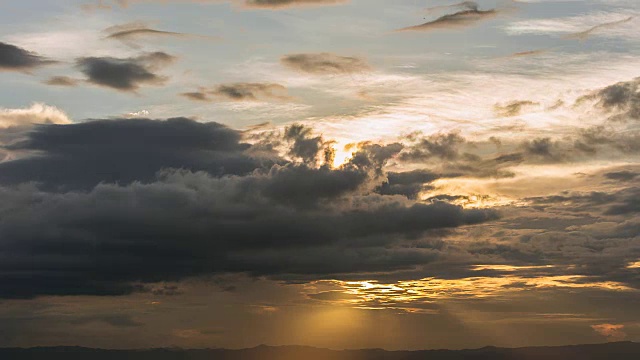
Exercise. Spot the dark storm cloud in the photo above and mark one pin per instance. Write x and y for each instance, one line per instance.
(325, 63)
(61, 81)
(18, 59)
(408, 184)
(83, 155)
(189, 224)
(125, 74)
(290, 220)
(241, 92)
(467, 13)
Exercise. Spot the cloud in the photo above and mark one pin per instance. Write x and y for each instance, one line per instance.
(529, 53)
(102, 223)
(513, 108)
(61, 81)
(276, 4)
(116, 320)
(123, 150)
(18, 59)
(622, 175)
(134, 30)
(585, 34)
(241, 92)
(469, 13)
(324, 63)
(622, 98)
(629, 204)
(611, 331)
(15, 125)
(443, 146)
(126, 74)
(251, 4)
(36, 114)
(543, 147)
(333, 296)
(573, 27)
(409, 183)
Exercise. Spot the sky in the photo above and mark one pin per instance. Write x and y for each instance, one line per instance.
(407, 174)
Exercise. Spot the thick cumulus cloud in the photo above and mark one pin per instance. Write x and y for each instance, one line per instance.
(82, 155)
(325, 63)
(18, 59)
(103, 206)
(126, 74)
(35, 114)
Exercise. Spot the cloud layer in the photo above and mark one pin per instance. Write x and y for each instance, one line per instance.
(106, 216)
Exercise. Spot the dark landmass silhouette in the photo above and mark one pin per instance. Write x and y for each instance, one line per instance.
(609, 351)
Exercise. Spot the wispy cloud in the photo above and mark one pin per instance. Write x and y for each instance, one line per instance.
(241, 92)
(467, 13)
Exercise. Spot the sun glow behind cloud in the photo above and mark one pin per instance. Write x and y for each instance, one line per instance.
(410, 295)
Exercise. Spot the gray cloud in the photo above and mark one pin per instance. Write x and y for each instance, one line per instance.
(101, 223)
(125, 74)
(241, 92)
(468, 13)
(252, 4)
(274, 4)
(61, 81)
(18, 59)
(325, 63)
(133, 30)
(190, 224)
(132, 33)
(629, 204)
(82, 155)
(622, 98)
(408, 184)
(543, 147)
(305, 146)
(513, 108)
(623, 175)
(443, 146)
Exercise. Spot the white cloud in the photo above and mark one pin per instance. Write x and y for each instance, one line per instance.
(37, 113)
